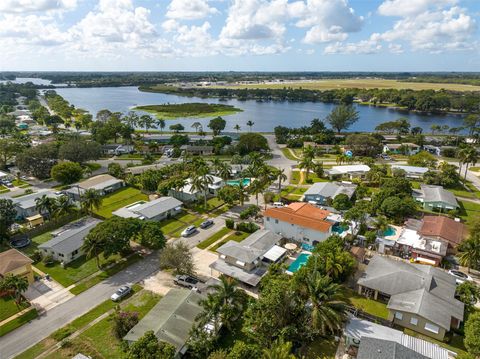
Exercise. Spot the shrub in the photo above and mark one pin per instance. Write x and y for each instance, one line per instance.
(62, 333)
(229, 223)
(36, 256)
(48, 260)
(123, 322)
(250, 211)
(248, 227)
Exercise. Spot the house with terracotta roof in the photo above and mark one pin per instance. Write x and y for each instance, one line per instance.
(443, 228)
(13, 262)
(299, 221)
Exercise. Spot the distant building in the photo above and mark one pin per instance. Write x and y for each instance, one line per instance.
(103, 184)
(348, 171)
(66, 245)
(302, 222)
(197, 150)
(421, 298)
(188, 194)
(412, 171)
(13, 262)
(322, 192)
(402, 148)
(435, 197)
(26, 206)
(156, 210)
(116, 149)
(248, 260)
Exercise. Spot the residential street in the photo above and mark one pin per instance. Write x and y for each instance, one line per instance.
(29, 334)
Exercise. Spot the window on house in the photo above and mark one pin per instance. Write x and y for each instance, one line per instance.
(414, 321)
(240, 263)
(60, 254)
(398, 315)
(432, 328)
(276, 221)
(268, 219)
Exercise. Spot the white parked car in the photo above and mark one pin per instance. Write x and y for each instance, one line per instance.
(189, 231)
(121, 293)
(460, 277)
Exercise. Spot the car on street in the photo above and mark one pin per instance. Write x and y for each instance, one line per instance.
(189, 231)
(460, 277)
(206, 224)
(121, 293)
(186, 281)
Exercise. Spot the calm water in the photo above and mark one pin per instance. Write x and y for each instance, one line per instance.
(33, 80)
(265, 115)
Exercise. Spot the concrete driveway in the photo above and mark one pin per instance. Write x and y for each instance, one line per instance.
(47, 294)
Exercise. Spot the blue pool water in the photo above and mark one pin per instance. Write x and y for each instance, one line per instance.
(307, 247)
(338, 228)
(299, 262)
(389, 232)
(246, 182)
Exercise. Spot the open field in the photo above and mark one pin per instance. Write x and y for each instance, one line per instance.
(194, 110)
(358, 83)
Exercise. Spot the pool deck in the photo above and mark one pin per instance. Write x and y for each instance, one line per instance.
(292, 259)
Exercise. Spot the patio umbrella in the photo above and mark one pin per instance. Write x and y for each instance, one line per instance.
(290, 246)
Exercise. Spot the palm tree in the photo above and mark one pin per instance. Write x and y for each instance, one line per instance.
(281, 176)
(196, 126)
(231, 299)
(256, 160)
(237, 128)
(468, 156)
(146, 121)
(93, 246)
(306, 164)
(469, 252)
(381, 225)
(211, 311)
(91, 199)
(327, 309)
(201, 181)
(242, 191)
(64, 206)
(16, 284)
(267, 198)
(224, 171)
(160, 122)
(250, 124)
(278, 350)
(256, 187)
(45, 204)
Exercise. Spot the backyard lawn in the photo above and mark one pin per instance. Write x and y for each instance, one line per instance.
(36, 241)
(119, 199)
(469, 210)
(214, 237)
(236, 236)
(365, 304)
(212, 203)
(322, 348)
(8, 307)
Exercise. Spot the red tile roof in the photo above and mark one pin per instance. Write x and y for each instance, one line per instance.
(443, 227)
(302, 214)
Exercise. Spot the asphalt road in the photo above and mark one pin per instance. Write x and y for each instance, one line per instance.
(31, 333)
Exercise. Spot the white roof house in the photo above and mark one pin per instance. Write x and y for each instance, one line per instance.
(154, 210)
(348, 170)
(3, 174)
(412, 171)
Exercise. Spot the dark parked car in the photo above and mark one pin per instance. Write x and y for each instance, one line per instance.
(186, 281)
(206, 224)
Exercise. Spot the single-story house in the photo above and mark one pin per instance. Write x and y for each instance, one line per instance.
(156, 210)
(197, 150)
(412, 171)
(66, 244)
(4, 175)
(170, 319)
(443, 228)
(248, 260)
(323, 147)
(26, 206)
(421, 298)
(116, 149)
(366, 336)
(323, 192)
(165, 138)
(434, 150)
(349, 171)
(299, 221)
(103, 184)
(189, 194)
(140, 169)
(402, 148)
(13, 262)
(435, 197)
(422, 249)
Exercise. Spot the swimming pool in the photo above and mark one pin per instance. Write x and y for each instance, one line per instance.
(299, 262)
(246, 182)
(390, 232)
(338, 228)
(307, 247)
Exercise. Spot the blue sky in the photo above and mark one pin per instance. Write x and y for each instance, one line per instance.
(240, 35)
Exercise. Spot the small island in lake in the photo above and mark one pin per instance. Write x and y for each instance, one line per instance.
(196, 109)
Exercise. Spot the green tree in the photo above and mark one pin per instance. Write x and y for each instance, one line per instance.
(242, 350)
(177, 256)
(148, 347)
(91, 199)
(217, 125)
(342, 117)
(251, 142)
(468, 156)
(46, 204)
(18, 285)
(422, 159)
(250, 125)
(468, 293)
(160, 123)
(307, 162)
(38, 161)
(9, 147)
(177, 128)
(472, 334)
(237, 128)
(196, 126)
(93, 245)
(7, 217)
(341, 202)
(201, 181)
(282, 177)
(151, 235)
(116, 170)
(146, 121)
(64, 206)
(228, 194)
(81, 151)
(67, 172)
(278, 350)
(469, 251)
(256, 187)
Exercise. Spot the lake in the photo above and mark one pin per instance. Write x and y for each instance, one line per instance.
(265, 115)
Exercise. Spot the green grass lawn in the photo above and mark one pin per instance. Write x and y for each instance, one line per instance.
(93, 166)
(324, 348)
(36, 241)
(187, 217)
(212, 203)
(4, 189)
(18, 322)
(20, 183)
(171, 225)
(286, 152)
(75, 270)
(365, 304)
(233, 237)
(214, 237)
(474, 169)
(8, 307)
(118, 199)
(469, 210)
(98, 341)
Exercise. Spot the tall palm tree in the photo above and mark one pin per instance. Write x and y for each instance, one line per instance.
(256, 160)
(216, 164)
(468, 156)
(281, 176)
(64, 206)
(201, 181)
(45, 204)
(242, 191)
(327, 309)
(306, 164)
(278, 350)
(93, 246)
(17, 285)
(224, 171)
(237, 128)
(469, 252)
(250, 124)
(211, 311)
(381, 225)
(256, 187)
(146, 121)
(91, 199)
(160, 122)
(196, 126)
(267, 198)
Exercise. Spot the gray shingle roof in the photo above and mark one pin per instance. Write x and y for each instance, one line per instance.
(158, 206)
(28, 201)
(331, 189)
(431, 193)
(424, 290)
(72, 238)
(170, 319)
(372, 348)
(252, 247)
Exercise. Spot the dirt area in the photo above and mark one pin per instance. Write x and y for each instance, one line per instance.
(161, 282)
(202, 259)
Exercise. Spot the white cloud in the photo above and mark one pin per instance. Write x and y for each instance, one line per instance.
(370, 46)
(411, 7)
(30, 6)
(395, 48)
(190, 9)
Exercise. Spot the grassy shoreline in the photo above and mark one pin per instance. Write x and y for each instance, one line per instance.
(189, 110)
